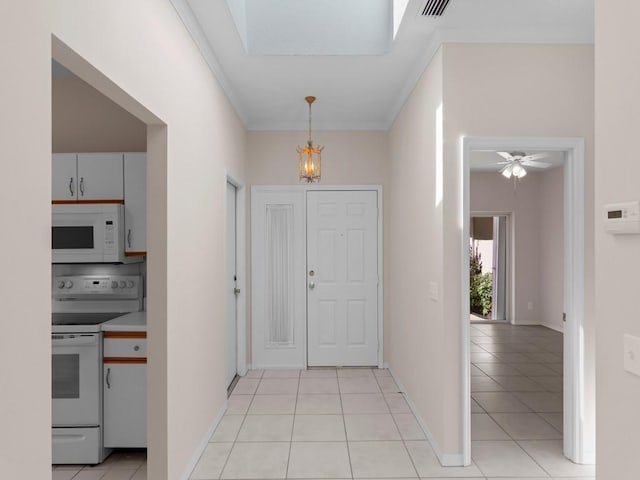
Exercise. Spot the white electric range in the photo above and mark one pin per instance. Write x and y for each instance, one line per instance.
(80, 305)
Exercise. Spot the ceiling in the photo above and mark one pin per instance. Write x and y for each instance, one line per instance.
(327, 48)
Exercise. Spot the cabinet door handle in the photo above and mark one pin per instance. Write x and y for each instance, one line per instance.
(71, 186)
(108, 378)
(82, 186)
(129, 238)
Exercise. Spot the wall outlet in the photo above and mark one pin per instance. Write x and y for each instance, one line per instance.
(632, 354)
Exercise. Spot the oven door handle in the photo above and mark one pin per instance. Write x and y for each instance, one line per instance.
(73, 340)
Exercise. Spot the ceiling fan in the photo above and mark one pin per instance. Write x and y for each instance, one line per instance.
(516, 161)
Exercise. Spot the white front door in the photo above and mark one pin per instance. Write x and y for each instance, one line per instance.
(231, 336)
(342, 278)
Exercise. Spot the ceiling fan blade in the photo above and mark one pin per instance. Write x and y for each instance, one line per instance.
(530, 163)
(535, 156)
(503, 163)
(506, 155)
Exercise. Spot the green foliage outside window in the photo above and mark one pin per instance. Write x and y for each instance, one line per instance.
(481, 284)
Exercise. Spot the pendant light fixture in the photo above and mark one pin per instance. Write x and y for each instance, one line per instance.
(309, 161)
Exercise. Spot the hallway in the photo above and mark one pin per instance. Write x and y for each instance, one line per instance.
(516, 402)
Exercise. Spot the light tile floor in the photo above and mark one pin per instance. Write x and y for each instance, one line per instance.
(516, 391)
(120, 465)
(354, 423)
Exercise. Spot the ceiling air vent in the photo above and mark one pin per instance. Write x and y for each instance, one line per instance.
(435, 8)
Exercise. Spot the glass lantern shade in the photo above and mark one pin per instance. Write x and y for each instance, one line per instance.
(309, 163)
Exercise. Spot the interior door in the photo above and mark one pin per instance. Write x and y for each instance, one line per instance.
(231, 307)
(342, 278)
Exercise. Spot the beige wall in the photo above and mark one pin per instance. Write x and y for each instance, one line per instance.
(537, 228)
(153, 66)
(415, 249)
(491, 192)
(618, 257)
(25, 259)
(348, 158)
(551, 246)
(84, 120)
(488, 91)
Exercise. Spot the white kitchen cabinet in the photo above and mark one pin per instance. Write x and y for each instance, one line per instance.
(125, 390)
(100, 176)
(135, 203)
(87, 176)
(64, 184)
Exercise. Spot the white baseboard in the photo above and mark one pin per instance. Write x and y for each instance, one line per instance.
(191, 464)
(445, 459)
(554, 327)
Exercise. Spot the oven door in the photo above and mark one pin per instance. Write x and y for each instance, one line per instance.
(76, 379)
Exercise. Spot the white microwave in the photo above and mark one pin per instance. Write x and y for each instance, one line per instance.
(87, 233)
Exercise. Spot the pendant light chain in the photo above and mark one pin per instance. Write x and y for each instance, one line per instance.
(309, 157)
(309, 140)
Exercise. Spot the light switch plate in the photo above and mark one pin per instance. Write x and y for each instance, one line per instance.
(433, 291)
(632, 354)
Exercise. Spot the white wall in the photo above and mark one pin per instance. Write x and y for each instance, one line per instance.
(617, 257)
(537, 229)
(140, 54)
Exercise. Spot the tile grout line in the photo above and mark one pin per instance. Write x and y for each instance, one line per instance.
(532, 411)
(235, 440)
(293, 426)
(344, 425)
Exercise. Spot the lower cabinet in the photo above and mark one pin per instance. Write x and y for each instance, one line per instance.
(125, 396)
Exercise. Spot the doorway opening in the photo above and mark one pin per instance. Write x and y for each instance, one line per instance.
(154, 270)
(578, 443)
(488, 241)
(235, 316)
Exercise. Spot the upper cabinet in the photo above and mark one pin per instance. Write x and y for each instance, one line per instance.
(107, 177)
(88, 177)
(64, 176)
(135, 199)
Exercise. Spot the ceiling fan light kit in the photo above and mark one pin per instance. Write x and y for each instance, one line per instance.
(516, 161)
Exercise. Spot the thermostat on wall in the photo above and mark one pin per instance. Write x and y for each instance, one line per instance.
(622, 218)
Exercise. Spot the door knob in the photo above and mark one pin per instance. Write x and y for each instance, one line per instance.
(312, 285)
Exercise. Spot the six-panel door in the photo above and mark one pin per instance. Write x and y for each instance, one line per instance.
(342, 278)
